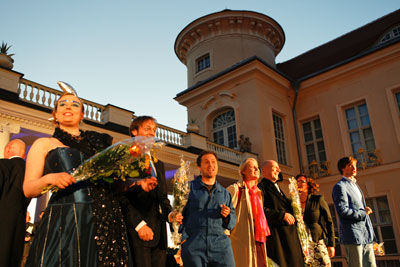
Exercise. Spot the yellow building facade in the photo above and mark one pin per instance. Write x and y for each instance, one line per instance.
(341, 98)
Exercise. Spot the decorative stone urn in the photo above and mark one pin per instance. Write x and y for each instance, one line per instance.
(192, 127)
(6, 61)
(5, 58)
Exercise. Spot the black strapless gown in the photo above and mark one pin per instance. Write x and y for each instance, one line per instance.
(67, 234)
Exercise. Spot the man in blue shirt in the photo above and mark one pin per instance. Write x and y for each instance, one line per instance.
(355, 231)
(208, 213)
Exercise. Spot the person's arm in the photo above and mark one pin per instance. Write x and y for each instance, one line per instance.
(164, 201)
(326, 214)
(34, 180)
(228, 212)
(233, 189)
(273, 216)
(340, 198)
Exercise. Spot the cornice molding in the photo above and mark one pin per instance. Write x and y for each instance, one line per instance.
(230, 23)
(24, 119)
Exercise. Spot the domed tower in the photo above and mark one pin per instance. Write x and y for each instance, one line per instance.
(217, 41)
(234, 87)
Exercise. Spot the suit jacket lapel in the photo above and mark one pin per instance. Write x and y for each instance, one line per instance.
(275, 191)
(353, 190)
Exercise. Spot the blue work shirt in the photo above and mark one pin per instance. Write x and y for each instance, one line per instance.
(203, 226)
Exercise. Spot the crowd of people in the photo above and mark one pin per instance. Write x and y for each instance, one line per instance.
(250, 223)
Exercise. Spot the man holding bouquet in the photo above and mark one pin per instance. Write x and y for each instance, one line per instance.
(206, 216)
(146, 213)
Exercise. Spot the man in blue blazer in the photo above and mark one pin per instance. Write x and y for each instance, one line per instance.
(355, 231)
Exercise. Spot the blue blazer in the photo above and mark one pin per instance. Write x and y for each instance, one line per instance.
(355, 226)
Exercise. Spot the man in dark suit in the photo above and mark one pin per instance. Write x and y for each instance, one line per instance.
(283, 245)
(146, 213)
(13, 204)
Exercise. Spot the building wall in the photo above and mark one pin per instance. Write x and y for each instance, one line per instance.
(255, 91)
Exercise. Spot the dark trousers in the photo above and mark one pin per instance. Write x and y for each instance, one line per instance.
(149, 257)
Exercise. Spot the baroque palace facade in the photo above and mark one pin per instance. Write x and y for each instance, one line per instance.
(341, 98)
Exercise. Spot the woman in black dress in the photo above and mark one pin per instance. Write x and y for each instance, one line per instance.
(318, 220)
(82, 224)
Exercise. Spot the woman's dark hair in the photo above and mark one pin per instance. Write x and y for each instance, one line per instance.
(313, 187)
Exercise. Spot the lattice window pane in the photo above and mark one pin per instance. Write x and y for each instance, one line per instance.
(203, 62)
(382, 223)
(279, 139)
(219, 137)
(232, 141)
(224, 129)
(360, 130)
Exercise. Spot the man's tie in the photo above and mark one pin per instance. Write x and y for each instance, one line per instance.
(277, 188)
(153, 169)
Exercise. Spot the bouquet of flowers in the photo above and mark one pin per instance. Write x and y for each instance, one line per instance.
(127, 158)
(181, 194)
(305, 240)
(378, 249)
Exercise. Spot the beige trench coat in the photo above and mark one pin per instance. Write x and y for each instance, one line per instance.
(242, 235)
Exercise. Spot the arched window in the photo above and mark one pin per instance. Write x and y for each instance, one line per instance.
(394, 32)
(224, 129)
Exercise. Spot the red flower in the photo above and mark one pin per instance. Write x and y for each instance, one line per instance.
(135, 150)
(148, 171)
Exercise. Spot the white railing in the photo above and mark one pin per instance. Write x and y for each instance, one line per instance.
(170, 136)
(44, 96)
(225, 153)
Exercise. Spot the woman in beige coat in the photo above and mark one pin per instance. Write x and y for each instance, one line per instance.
(249, 235)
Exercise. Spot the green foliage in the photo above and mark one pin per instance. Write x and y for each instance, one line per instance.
(4, 49)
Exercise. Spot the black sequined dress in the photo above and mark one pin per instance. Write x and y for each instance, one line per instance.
(82, 224)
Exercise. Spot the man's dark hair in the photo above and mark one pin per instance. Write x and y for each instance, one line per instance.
(342, 163)
(203, 153)
(138, 121)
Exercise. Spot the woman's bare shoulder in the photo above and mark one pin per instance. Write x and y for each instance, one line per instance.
(46, 144)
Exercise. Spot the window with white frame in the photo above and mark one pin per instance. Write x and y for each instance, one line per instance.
(391, 34)
(382, 223)
(314, 141)
(203, 62)
(359, 128)
(224, 129)
(280, 139)
(398, 100)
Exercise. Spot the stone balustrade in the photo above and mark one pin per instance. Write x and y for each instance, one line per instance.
(44, 96)
(170, 135)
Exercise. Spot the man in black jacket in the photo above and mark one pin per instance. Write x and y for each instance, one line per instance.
(146, 213)
(283, 245)
(13, 203)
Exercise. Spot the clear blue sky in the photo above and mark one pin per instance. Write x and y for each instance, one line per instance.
(121, 52)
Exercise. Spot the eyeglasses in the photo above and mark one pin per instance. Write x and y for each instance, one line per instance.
(74, 103)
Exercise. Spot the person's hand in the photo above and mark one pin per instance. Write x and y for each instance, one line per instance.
(331, 252)
(289, 219)
(27, 238)
(177, 216)
(61, 179)
(368, 210)
(145, 233)
(225, 210)
(147, 184)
